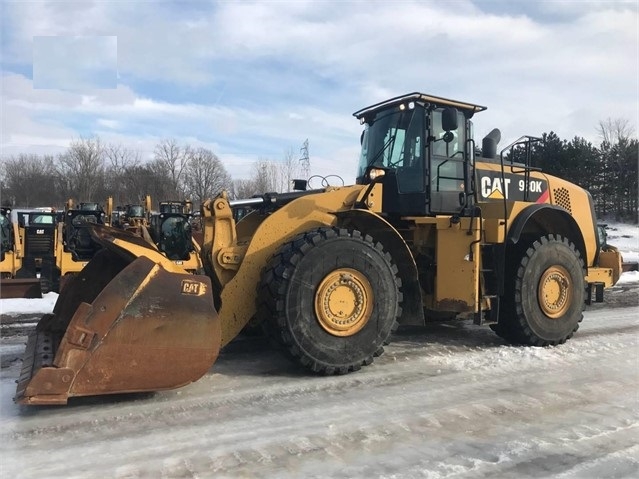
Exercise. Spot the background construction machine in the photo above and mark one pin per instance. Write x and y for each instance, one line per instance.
(169, 231)
(172, 234)
(431, 230)
(11, 254)
(33, 258)
(75, 246)
(133, 217)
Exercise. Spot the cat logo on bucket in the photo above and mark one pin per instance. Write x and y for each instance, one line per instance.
(191, 287)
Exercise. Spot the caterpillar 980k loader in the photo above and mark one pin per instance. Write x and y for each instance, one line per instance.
(429, 230)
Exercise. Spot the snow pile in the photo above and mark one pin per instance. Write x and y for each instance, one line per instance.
(16, 306)
(626, 239)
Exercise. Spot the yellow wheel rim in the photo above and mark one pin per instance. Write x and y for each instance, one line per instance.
(344, 302)
(555, 292)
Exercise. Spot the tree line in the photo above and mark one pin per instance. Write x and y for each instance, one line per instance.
(90, 171)
(608, 171)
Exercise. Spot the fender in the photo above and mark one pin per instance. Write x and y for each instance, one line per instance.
(543, 218)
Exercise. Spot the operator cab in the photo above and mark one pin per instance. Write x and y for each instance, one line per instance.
(135, 211)
(6, 233)
(171, 230)
(420, 147)
(77, 238)
(132, 217)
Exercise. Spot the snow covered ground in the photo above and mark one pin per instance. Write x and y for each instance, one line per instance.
(451, 400)
(626, 238)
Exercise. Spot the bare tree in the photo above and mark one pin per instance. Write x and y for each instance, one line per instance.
(119, 160)
(618, 179)
(172, 159)
(81, 167)
(242, 189)
(151, 179)
(613, 131)
(265, 176)
(289, 169)
(29, 180)
(204, 175)
(269, 176)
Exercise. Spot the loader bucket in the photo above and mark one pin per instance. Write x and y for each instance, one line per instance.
(20, 288)
(121, 325)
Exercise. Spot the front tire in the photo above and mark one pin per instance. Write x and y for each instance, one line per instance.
(544, 301)
(331, 298)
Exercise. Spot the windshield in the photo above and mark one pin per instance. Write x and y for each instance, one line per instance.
(171, 208)
(85, 219)
(89, 207)
(393, 139)
(175, 241)
(5, 233)
(136, 211)
(41, 219)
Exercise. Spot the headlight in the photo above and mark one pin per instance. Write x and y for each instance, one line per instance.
(375, 173)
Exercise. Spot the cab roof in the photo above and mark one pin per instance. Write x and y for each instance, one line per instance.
(420, 97)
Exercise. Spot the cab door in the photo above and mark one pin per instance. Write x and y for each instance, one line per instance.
(448, 179)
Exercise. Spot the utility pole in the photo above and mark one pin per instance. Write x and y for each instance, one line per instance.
(305, 161)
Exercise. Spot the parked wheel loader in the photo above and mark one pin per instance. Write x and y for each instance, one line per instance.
(172, 233)
(11, 254)
(75, 246)
(169, 231)
(135, 216)
(431, 230)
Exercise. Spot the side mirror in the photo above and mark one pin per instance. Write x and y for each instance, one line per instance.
(603, 235)
(449, 119)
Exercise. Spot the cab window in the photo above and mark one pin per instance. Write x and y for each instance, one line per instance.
(447, 157)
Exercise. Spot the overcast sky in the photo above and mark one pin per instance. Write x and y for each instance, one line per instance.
(253, 80)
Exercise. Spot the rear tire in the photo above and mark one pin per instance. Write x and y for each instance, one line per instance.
(331, 298)
(544, 304)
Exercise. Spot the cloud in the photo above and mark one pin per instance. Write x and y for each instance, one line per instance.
(75, 63)
(257, 78)
(111, 124)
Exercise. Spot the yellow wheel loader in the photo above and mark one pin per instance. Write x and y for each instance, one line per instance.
(170, 231)
(134, 217)
(430, 230)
